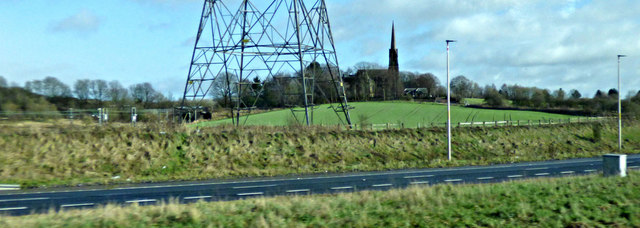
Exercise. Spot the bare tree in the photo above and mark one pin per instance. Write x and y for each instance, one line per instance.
(98, 89)
(81, 89)
(117, 93)
(145, 94)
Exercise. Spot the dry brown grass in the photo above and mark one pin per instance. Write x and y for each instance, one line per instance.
(71, 155)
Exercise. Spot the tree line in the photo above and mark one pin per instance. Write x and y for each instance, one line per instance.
(50, 94)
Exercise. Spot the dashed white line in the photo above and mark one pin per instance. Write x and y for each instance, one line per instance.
(453, 180)
(77, 205)
(590, 170)
(420, 182)
(381, 185)
(196, 197)
(514, 176)
(141, 201)
(251, 194)
(342, 188)
(13, 208)
(567, 172)
(255, 186)
(422, 176)
(542, 174)
(541, 168)
(298, 190)
(484, 178)
(25, 199)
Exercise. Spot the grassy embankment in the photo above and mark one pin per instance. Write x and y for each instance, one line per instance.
(587, 201)
(409, 113)
(80, 155)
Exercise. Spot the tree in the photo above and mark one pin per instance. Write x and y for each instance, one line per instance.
(575, 94)
(428, 81)
(49, 87)
(98, 89)
(493, 97)
(559, 94)
(599, 94)
(613, 93)
(3, 82)
(143, 93)
(367, 66)
(81, 89)
(117, 93)
(461, 86)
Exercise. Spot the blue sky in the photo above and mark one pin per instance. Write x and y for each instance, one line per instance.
(568, 44)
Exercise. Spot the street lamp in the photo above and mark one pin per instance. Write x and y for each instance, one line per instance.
(448, 104)
(619, 108)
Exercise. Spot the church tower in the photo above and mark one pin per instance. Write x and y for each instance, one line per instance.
(393, 80)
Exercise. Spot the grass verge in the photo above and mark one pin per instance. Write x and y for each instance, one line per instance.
(587, 201)
(112, 154)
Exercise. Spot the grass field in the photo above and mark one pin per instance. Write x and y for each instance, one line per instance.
(72, 155)
(409, 113)
(588, 201)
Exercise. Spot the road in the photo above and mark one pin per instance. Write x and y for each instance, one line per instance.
(41, 201)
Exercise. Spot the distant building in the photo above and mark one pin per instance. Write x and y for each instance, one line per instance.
(377, 84)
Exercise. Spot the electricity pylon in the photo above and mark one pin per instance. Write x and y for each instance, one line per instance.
(284, 41)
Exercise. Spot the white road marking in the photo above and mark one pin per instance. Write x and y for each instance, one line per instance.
(453, 180)
(251, 194)
(298, 190)
(514, 176)
(255, 186)
(590, 170)
(485, 178)
(542, 174)
(422, 176)
(196, 197)
(25, 199)
(77, 205)
(542, 168)
(341, 188)
(13, 208)
(381, 185)
(420, 182)
(142, 201)
(567, 172)
(7, 187)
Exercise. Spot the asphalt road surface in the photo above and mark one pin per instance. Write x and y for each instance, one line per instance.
(41, 201)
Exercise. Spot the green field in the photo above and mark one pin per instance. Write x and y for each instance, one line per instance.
(408, 113)
(590, 201)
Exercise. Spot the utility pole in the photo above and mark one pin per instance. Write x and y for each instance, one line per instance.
(619, 108)
(448, 104)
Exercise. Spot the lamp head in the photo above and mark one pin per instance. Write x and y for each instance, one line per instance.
(620, 56)
(451, 41)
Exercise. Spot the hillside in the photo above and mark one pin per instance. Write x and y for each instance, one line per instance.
(409, 113)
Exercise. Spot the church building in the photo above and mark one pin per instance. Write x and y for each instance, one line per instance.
(377, 84)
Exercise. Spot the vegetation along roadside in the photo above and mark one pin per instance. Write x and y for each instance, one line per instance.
(41, 157)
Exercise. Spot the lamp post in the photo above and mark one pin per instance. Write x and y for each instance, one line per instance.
(448, 104)
(619, 108)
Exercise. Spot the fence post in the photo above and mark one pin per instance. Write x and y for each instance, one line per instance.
(539, 122)
(402, 125)
(484, 123)
(518, 123)
(100, 116)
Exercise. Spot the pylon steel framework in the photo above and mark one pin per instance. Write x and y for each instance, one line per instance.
(265, 39)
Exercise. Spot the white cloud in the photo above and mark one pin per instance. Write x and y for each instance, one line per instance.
(84, 21)
(550, 44)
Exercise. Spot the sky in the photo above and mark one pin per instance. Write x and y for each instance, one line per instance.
(569, 44)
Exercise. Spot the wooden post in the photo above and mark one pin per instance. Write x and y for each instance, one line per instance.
(388, 126)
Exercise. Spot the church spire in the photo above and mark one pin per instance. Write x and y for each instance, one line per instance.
(393, 51)
(393, 36)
